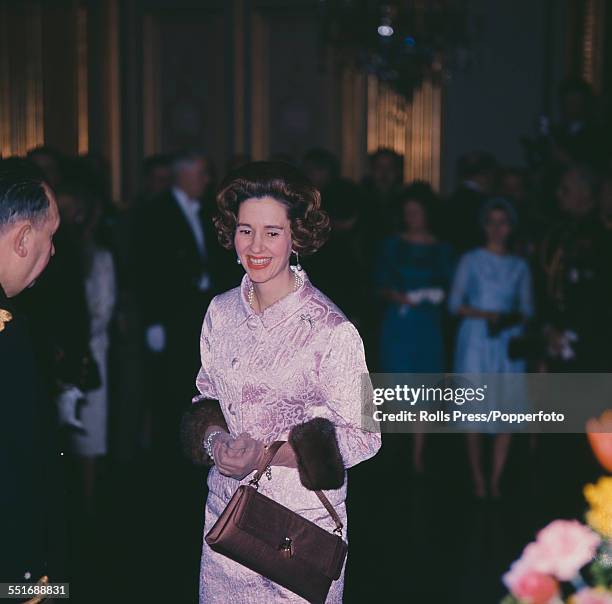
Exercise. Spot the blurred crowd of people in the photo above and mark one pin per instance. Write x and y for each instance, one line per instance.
(509, 273)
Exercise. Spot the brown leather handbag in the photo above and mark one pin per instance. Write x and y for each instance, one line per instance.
(279, 544)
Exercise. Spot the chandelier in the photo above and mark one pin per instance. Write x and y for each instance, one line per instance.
(401, 42)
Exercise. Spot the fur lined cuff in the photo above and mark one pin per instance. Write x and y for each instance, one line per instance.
(320, 463)
(194, 423)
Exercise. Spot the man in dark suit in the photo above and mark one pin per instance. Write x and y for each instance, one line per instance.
(179, 267)
(579, 136)
(28, 220)
(477, 172)
(382, 189)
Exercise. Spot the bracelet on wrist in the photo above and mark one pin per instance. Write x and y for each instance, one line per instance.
(208, 443)
(268, 470)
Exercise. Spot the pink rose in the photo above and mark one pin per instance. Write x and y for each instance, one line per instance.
(592, 596)
(530, 586)
(537, 556)
(563, 548)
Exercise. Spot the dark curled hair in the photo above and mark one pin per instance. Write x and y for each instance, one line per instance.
(420, 192)
(283, 182)
(22, 195)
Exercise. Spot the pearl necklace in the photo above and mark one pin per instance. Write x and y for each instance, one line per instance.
(298, 282)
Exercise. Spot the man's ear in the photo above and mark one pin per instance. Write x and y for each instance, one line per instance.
(22, 239)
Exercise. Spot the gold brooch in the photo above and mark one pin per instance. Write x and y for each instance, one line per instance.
(5, 317)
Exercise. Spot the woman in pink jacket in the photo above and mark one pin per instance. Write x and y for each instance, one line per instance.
(280, 361)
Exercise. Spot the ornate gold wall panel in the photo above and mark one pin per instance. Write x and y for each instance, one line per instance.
(21, 86)
(113, 96)
(272, 88)
(412, 127)
(82, 82)
(592, 42)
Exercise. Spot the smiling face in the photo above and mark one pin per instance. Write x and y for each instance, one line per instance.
(263, 238)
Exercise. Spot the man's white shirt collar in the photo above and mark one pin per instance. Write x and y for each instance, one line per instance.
(191, 209)
(189, 205)
(470, 184)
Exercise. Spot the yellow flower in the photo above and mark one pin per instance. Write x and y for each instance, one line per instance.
(590, 594)
(599, 497)
(5, 317)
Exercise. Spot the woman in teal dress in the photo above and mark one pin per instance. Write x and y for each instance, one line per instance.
(414, 270)
(492, 294)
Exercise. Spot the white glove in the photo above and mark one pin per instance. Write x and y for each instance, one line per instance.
(204, 282)
(416, 296)
(435, 295)
(67, 407)
(156, 338)
(560, 344)
(567, 352)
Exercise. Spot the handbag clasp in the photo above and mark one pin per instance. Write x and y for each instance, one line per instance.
(285, 547)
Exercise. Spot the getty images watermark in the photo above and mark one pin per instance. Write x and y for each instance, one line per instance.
(412, 396)
(517, 402)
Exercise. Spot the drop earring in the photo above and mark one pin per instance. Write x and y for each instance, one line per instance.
(238, 261)
(298, 266)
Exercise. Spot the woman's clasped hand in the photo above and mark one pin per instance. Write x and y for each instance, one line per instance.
(237, 457)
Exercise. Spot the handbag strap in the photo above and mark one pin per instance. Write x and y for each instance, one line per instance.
(331, 511)
(268, 457)
(267, 460)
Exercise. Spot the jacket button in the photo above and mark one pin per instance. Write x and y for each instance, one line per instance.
(252, 322)
(235, 363)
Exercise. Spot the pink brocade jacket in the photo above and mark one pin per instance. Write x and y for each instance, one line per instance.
(299, 359)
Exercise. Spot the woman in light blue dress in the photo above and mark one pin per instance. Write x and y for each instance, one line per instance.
(492, 293)
(413, 274)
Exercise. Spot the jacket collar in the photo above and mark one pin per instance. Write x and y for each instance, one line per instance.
(280, 310)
